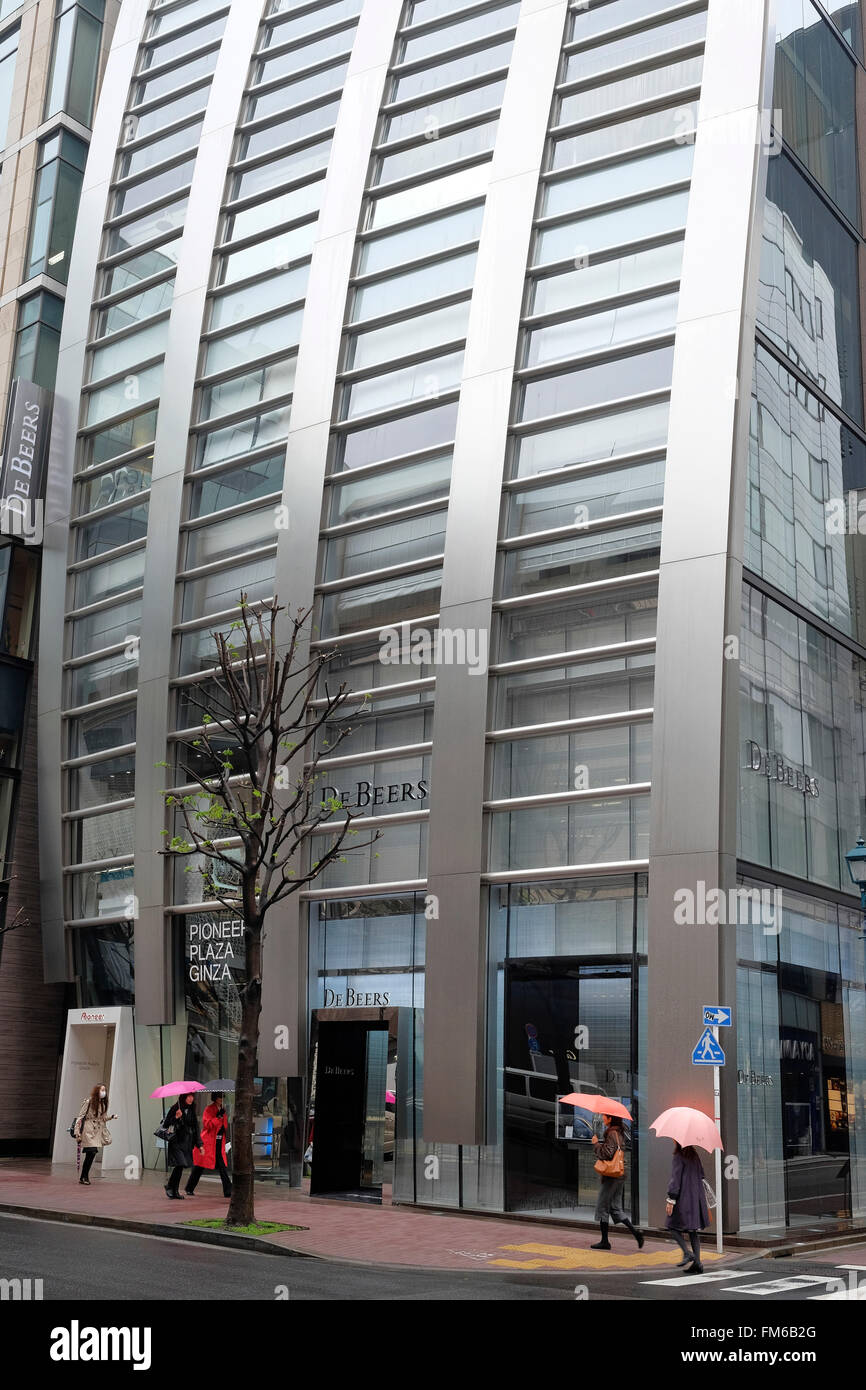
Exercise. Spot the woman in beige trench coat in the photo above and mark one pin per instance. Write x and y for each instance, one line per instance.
(91, 1128)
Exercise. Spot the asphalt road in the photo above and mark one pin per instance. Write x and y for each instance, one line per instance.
(78, 1263)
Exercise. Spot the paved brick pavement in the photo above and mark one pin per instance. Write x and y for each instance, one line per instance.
(368, 1234)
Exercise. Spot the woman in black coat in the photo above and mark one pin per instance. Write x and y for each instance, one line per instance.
(687, 1210)
(186, 1137)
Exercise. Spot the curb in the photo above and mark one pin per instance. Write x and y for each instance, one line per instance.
(198, 1235)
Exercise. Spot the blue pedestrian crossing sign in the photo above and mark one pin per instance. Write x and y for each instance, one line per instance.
(707, 1052)
(717, 1015)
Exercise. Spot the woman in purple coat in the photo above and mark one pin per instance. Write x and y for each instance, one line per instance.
(687, 1210)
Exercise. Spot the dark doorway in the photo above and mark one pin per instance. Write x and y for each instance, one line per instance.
(351, 1065)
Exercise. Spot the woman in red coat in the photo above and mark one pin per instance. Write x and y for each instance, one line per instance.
(212, 1154)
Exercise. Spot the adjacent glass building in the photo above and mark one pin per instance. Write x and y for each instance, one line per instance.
(443, 318)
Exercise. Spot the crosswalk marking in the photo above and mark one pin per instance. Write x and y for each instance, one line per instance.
(791, 1283)
(841, 1293)
(711, 1277)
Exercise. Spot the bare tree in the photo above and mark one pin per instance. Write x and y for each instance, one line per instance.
(256, 807)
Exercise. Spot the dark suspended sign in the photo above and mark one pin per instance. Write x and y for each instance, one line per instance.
(26, 438)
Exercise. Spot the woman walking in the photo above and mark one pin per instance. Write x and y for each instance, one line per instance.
(611, 1152)
(687, 1210)
(212, 1153)
(182, 1119)
(91, 1128)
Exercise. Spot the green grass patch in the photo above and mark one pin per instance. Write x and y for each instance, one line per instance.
(258, 1228)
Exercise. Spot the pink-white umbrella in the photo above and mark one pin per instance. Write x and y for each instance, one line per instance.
(176, 1088)
(688, 1126)
(390, 1098)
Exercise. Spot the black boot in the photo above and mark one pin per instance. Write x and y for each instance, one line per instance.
(604, 1243)
(638, 1235)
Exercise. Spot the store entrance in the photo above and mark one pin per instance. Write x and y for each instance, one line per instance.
(353, 1103)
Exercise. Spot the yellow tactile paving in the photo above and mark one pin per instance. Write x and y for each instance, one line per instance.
(573, 1257)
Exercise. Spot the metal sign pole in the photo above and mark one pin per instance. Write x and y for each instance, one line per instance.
(717, 1116)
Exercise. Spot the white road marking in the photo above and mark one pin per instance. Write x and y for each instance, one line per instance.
(711, 1277)
(789, 1284)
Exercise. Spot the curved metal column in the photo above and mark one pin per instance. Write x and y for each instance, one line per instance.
(454, 1019)
(284, 997)
(70, 373)
(695, 763)
(153, 975)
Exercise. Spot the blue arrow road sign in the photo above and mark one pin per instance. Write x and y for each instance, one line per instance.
(717, 1015)
(708, 1053)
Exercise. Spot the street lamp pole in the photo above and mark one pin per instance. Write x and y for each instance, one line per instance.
(856, 861)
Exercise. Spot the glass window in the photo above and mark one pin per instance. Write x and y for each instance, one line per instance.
(110, 578)
(249, 390)
(607, 435)
(289, 94)
(627, 323)
(160, 185)
(435, 234)
(628, 91)
(402, 598)
(216, 593)
(165, 83)
(432, 154)
(135, 308)
(452, 70)
(268, 335)
(587, 688)
(808, 301)
(414, 287)
(112, 486)
(254, 299)
(237, 485)
(605, 279)
(620, 227)
(634, 48)
(129, 273)
(276, 253)
(110, 532)
(397, 487)
(182, 15)
(320, 17)
(8, 52)
(319, 119)
(609, 830)
(107, 628)
(138, 127)
(100, 730)
(206, 544)
(75, 59)
(166, 222)
(393, 438)
(168, 49)
(394, 543)
(132, 433)
(59, 175)
(421, 381)
(814, 91)
(38, 339)
(596, 495)
(146, 156)
(120, 356)
(616, 756)
(306, 55)
(20, 577)
(410, 335)
(106, 401)
(98, 680)
(675, 123)
(450, 36)
(111, 779)
(595, 19)
(622, 180)
(279, 171)
(630, 375)
(429, 197)
(427, 119)
(570, 624)
(231, 441)
(581, 559)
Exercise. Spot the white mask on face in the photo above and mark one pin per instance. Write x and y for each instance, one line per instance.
(102, 1092)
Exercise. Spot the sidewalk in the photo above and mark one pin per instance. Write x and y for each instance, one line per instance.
(400, 1236)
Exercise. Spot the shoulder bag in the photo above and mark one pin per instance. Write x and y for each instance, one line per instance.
(612, 1167)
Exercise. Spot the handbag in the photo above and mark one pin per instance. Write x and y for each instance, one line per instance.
(709, 1194)
(164, 1133)
(612, 1167)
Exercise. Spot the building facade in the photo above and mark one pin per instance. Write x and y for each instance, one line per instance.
(445, 319)
(51, 57)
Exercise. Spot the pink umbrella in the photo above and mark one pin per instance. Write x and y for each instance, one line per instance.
(390, 1098)
(602, 1105)
(688, 1126)
(176, 1088)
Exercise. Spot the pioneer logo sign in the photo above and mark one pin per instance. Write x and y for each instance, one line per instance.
(212, 948)
(365, 794)
(772, 765)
